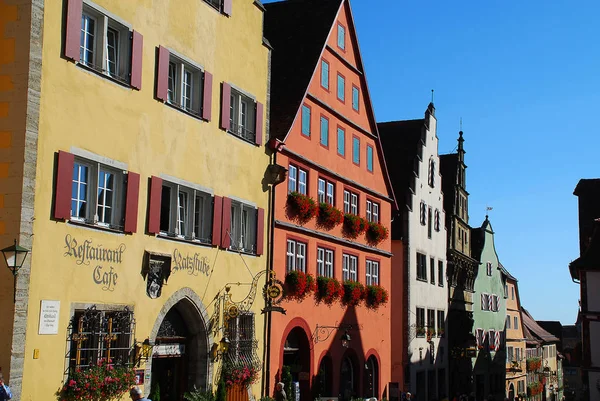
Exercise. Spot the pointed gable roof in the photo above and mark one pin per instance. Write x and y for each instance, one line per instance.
(590, 259)
(535, 329)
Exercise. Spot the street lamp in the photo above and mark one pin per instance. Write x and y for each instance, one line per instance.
(14, 256)
(144, 351)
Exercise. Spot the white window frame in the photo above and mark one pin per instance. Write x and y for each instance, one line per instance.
(326, 191)
(346, 201)
(349, 267)
(372, 272)
(243, 227)
(103, 26)
(292, 178)
(91, 195)
(189, 220)
(324, 262)
(181, 93)
(296, 256)
(242, 115)
(354, 203)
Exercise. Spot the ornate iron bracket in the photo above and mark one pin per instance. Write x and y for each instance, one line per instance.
(322, 333)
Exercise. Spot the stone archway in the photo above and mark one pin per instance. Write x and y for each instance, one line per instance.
(186, 306)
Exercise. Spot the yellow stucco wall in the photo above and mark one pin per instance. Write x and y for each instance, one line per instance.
(515, 338)
(84, 110)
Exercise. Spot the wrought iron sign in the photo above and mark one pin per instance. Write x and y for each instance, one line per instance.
(156, 271)
(273, 294)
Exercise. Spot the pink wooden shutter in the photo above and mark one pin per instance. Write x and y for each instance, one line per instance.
(227, 7)
(491, 302)
(131, 202)
(64, 179)
(207, 96)
(217, 215)
(137, 45)
(73, 29)
(226, 227)
(259, 123)
(225, 104)
(260, 231)
(483, 302)
(154, 208)
(162, 78)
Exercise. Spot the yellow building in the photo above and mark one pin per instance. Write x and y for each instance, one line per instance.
(132, 165)
(516, 370)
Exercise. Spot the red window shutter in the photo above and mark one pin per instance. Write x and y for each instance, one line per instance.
(207, 96)
(259, 123)
(226, 227)
(131, 202)
(225, 104)
(64, 179)
(73, 29)
(260, 231)
(217, 215)
(162, 79)
(227, 7)
(137, 45)
(154, 209)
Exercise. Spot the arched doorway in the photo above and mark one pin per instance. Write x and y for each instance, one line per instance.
(296, 357)
(180, 360)
(323, 385)
(511, 392)
(348, 378)
(371, 386)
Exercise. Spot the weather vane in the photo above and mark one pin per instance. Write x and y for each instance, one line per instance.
(487, 210)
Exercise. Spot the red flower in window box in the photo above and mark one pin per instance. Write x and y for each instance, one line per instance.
(239, 375)
(375, 296)
(329, 216)
(534, 364)
(298, 285)
(328, 290)
(103, 381)
(376, 233)
(353, 225)
(354, 293)
(301, 207)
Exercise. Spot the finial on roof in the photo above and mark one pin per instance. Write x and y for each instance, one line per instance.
(432, 96)
(460, 125)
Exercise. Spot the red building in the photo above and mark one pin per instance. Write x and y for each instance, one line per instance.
(323, 131)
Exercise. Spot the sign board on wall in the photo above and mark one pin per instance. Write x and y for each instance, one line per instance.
(49, 313)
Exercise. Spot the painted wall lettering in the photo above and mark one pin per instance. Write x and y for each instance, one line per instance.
(194, 265)
(86, 253)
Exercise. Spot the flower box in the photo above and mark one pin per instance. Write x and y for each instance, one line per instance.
(301, 208)
(354, 293)
(329, 216)
(239, 375)
(533, 364)
(420, 331)
(298, 285)
(376, 233)
(535, 388)
(375, 296)
(353, 225)
(430, 333)
(101, 382)
(328, 290)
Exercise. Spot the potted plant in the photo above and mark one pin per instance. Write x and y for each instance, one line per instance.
(328, 290)
(301, 207)
(354, 293)
(353, 225)
(298, 285)
(100, 382)
(375, 296)
(329, 216)
(420, 331)
(376, 233)
(430, 332)
(242, 375)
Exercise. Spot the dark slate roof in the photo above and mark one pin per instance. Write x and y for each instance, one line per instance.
(535, 329)
(449, 169)
(587, 185)
(590, 260)
(529, 338)
(297, 30)
(553, 327)
(506, 273)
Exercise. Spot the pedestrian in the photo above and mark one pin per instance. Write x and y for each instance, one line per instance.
(280, 392)
(408, 396)
(136, 394)
(5, 393)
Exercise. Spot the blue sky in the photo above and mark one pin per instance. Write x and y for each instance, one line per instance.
(524, 77)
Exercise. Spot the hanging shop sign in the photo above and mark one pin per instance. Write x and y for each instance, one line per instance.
(100, 258)
(166, 350)
(156, 270)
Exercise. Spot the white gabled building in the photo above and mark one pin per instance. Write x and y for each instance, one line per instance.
(411, 151)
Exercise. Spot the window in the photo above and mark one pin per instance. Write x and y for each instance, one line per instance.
(516, 323)
(305, 120)
(508, 322)
(341, 37)
(90, 328)
(350, 202)
(243, 344)
(324, 131)
(429, 222)
(370, 158)
(326, 192)
(436, 224)
(431, 319)
(431, 177)
(420, 322)
(97, 194)
(243, 227)
(186, 213)
(242, 112)
(505, 291)
(485, 302)
(521, 387)
(479, 337)
(341, 87)
(185, 86)
(349, 267)
(297, 179)
(441, 321)
(421, 266)
(495, 304)
(423, 214)
(296, 256)
(105, 44)
(512, 292)
(432, 270)
(355, 97)
(488, 268)
(372, 211)
(518, 353)
(215, 3)
(440, 273)
(324, 74)
(510, 354)
(356, 150)
(372, 272)
(324, 262)
(341, 141)
(492, 339)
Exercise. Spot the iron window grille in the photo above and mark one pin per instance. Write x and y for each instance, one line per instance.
(243, 346)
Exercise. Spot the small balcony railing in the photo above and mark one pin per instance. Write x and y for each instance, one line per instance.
(242, 132)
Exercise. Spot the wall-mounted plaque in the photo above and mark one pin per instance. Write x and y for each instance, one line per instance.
(49, 313)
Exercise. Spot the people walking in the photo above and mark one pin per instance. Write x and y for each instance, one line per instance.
(5, 393)
(136, 394)
(280, 392)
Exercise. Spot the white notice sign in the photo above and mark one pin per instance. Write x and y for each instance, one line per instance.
(49, 317)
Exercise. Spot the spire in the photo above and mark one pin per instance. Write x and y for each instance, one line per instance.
(461, 149)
